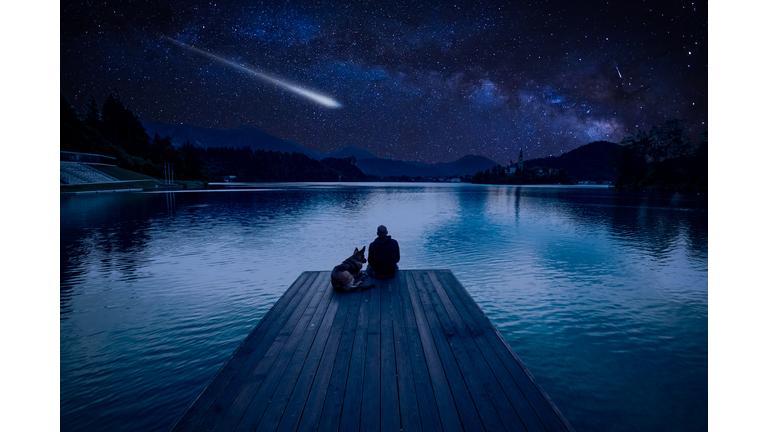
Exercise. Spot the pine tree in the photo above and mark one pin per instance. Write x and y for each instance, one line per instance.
(92, 116)
(67, 111)
(112, 114)
(121, 126)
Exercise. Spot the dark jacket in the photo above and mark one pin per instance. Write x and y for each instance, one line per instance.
(383, 255)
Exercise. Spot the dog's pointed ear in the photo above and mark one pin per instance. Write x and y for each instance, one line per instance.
(363, 250)
(356, 251)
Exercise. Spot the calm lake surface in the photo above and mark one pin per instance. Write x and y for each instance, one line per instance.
(602, 295)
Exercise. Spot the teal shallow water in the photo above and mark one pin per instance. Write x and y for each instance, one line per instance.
(602, 295)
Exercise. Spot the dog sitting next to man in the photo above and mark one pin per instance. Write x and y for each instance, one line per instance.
(344, 275)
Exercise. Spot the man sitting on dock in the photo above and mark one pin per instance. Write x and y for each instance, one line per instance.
(383, 255)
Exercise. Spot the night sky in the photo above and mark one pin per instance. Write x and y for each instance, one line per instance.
(425, 81)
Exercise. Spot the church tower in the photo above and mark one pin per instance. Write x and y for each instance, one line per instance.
(520, 162)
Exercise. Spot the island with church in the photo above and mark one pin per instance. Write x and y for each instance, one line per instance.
(516, 174)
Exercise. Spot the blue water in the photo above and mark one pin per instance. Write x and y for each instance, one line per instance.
(602, 295)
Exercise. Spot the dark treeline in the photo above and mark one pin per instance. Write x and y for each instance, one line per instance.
(247, 165)
(115, 130)
(663, 160)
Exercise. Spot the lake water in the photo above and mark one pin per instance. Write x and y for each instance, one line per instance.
(602, 295)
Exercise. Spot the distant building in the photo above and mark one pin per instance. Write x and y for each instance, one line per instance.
(512, 169)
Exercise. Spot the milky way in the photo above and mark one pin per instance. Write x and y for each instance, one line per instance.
(429, 81)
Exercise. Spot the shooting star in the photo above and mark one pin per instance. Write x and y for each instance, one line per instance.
(322, 100)
(617, 70)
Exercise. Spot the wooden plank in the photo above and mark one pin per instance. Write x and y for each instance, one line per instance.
(454, 405)
(327, 338)
(235, 410)
(467, 390)
(200, 405)
(390, 412)
(334, 397)
(545, 409)
(415, 399)
(522, 407)
(325, 394)
(281, 377)
(353, 394)
(493, 405)
(370, 414)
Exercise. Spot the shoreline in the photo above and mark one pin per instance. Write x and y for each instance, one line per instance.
(127, 186)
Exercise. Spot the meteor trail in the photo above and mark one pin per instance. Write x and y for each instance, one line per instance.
(617, 70)
(322, 100)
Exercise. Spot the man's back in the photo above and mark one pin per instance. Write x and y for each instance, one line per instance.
(383, 255)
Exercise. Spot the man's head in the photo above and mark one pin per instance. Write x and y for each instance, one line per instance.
(381, 230)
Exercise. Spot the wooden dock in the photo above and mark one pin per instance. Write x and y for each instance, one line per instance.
(416, 353)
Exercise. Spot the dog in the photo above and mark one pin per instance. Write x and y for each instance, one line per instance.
(344, 275)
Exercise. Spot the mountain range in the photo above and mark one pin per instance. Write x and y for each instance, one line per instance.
(367, 162)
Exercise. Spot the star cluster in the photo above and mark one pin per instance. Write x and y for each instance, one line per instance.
(426, 81)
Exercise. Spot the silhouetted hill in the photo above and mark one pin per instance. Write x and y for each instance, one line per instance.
(352, 150)
(417, 163)
(593, 161)
(394, 168)
(467, 165)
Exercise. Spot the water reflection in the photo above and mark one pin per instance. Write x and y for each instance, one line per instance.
(601, 294)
